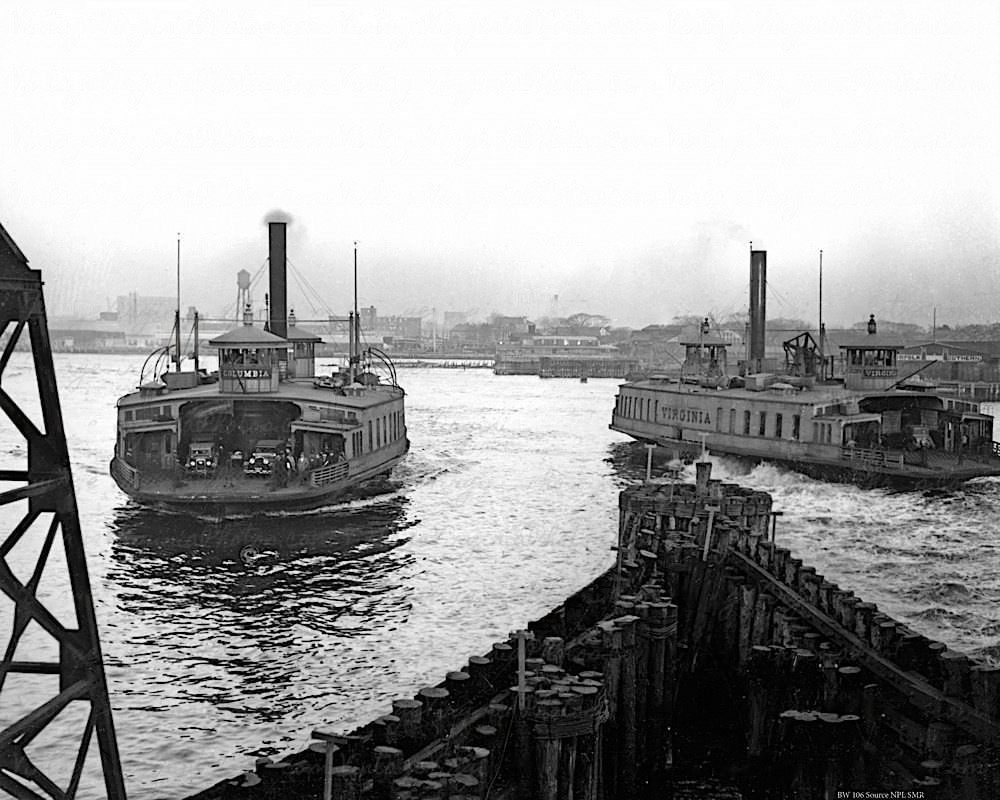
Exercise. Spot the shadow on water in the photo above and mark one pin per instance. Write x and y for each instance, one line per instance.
(355, 526)
(232, 614)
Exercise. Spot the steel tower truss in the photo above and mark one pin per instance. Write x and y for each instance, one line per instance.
(68, 682)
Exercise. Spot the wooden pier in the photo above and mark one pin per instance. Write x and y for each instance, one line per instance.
(708, 662)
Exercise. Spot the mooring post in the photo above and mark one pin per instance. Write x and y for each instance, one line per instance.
(583, 776)
(611, 643)
(346, 783)
(522, 637)
(524, 757)
(329, 748)
(547, 749)
(387, 767)
(628, 720)
(410, 714)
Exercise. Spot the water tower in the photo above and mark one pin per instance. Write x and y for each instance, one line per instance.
(242, 292)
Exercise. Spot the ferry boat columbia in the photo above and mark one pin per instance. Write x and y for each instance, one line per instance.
(873, 426)
(265, 433)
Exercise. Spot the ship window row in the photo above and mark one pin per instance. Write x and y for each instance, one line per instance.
(871, 358)
(823, 432)
(642, 408)
(762, 424)
(386, 429)
(150, 412)
(253, 356)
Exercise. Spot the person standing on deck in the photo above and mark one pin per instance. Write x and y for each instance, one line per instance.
(279, 472)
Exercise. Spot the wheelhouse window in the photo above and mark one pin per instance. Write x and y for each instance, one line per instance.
(777, 426)
(762, 427)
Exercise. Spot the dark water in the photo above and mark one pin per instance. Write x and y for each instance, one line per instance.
(506, 503)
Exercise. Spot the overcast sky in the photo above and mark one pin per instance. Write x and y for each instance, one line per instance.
(492, 157)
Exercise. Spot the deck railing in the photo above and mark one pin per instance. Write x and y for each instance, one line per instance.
(125, 473)
(871, 458)
(321, 476)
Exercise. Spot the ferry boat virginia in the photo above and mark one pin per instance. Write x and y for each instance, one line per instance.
(875, 425)
(265, 433)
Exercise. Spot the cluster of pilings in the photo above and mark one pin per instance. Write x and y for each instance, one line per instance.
(834, 695)
(708, 662)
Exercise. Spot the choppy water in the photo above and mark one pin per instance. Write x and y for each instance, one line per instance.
(506, 503)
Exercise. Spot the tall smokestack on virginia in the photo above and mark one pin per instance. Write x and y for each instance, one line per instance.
(277, 260)
(758, 301)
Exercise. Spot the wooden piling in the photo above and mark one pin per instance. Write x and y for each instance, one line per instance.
(955, 670)
(387, 766)
(435, 716)
(849, 690)
(459, 689)
(547, 750)
(479, 676)
(627, 704)
(553, 648)
(410, 715)
(748, 602)
(761, 669)
(346, 782)
(985, 687)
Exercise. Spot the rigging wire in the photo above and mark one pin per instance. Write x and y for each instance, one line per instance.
(302, 289)
(324, 306)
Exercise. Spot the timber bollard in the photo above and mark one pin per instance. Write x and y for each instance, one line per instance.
(627, 703)
(479, 676)
(409, 712)
(346, 783)
(387, 766)
(435, 716)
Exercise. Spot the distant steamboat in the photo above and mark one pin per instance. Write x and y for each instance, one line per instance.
(874, 426)
(265, 433)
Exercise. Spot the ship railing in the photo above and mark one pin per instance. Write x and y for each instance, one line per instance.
(871, 458)
(321, 476)
(125, 472)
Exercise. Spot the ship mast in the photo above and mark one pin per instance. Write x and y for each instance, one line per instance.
(355, 323)
(177, 317)
(821, 356)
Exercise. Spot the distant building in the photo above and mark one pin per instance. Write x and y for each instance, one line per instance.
(954, 361)
(472, 337)
(657, 347)
(141, 315)
(509, 329)
(561, 356)
(452, 318)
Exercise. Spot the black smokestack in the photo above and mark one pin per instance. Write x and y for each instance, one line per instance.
(277, 260)
(758, 304)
